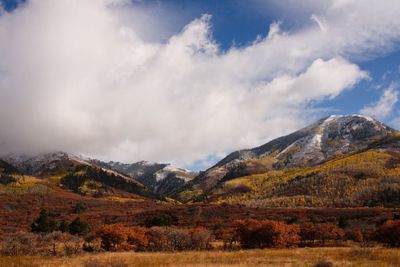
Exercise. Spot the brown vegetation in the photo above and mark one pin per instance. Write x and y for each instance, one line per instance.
(368, 257)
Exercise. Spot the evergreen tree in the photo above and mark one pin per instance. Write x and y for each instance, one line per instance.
(43, 223)
(79, 227)
(64, 226)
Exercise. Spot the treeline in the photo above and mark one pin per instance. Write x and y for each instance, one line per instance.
(82, 174)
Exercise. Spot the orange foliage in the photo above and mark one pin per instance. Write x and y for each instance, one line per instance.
(389, 233)
(116, 237)
(321, 232)
(267, 233)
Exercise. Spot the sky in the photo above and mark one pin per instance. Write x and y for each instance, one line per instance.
(188, 82)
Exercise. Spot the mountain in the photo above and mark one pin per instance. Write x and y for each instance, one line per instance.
(330, 138)
(164, 179)
(77, 174)
(7, 168)
(45, 164)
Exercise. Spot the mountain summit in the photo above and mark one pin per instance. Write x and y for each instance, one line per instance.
(329, 137)
(336, 134)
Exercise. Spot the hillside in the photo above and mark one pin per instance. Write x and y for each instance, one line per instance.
(288, 163)
(338, 161)
(163, 179)
(7, 168)
(68, 172)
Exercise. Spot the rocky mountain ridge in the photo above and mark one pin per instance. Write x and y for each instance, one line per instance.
(319, 142)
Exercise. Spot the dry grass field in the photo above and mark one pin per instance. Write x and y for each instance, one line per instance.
(268, 257)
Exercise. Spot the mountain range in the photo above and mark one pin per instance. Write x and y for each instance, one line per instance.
(340, 160)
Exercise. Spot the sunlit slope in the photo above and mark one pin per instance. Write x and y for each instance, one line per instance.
(370, 178)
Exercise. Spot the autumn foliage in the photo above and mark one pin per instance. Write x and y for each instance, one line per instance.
(116, 237)
(267, 234)
(320, 233)
(389, 233)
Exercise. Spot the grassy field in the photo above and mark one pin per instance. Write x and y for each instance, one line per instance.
(268, 257)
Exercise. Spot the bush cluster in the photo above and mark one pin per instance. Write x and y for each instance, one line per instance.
(55, 243)
(44, 224)
(47, 238)
(389, 233)
(116, 237)
(267, 234)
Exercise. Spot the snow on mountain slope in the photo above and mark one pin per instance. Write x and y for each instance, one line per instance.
(323, 140)
(164, 179)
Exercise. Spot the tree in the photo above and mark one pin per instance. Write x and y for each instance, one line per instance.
(63, 226)
(157, 221)
(343, 222)
(79, 227)
(43, 223)
(7, 179)
(79, 208)
(73, 182)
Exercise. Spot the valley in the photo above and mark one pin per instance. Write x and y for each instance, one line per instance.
(335, 183)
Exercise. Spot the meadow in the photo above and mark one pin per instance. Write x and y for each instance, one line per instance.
(322, 257)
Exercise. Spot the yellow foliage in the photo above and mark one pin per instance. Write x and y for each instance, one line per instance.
(341, 181)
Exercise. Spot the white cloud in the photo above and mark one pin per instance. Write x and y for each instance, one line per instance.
(85, 77)
(384, 106)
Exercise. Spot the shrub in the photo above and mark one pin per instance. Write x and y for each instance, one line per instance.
(48, 243)
(55, 243)
(112, 262)
(72, 244)
(343, 222)
(79, 227)
(113, 237)
(323, 264)
(43, 223)
(158, 240)
(92, 243)
(179, 239)
(355, 235)
(320, 232)
(266, 234)
(137, 238)
(63, 226)
(79, 208)
(176, 239)
(18, 244)
(157, 221)
(200, 238)
(389, 233)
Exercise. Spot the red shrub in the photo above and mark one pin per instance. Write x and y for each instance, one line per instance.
(355, 235)
(116, 237)
(320, 232)
(266, 234)
(137, 238)
(389, 233)
(113, 237)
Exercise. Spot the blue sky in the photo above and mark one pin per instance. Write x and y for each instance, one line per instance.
(183, 118)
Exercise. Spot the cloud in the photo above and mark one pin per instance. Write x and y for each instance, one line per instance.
(86, 77)
(384, 106)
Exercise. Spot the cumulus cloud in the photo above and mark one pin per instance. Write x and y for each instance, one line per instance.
(384, 106)
(84, 77)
